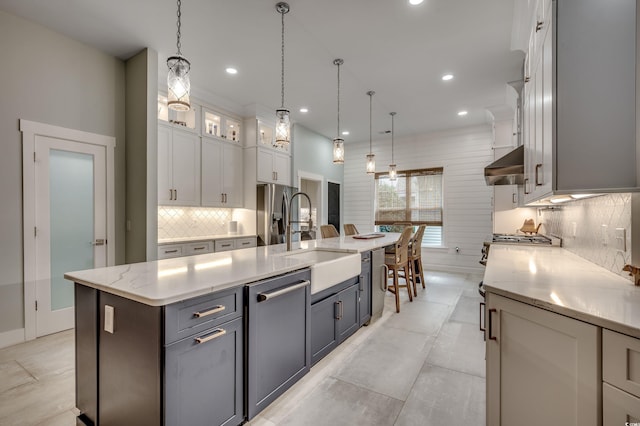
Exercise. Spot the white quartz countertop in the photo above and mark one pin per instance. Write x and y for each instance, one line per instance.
(162, 282)
(558, 280)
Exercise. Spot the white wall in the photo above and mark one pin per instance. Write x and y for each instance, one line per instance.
(52, 79)
(463, 153)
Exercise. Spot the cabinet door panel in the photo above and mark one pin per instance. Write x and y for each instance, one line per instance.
(186, 168)
(323, 328)
(232, 179)
(619, 407)
(281, 166)
(349, 312)
(265, 166)
(542, 368)
(203, 381)
(165, 166)
(212, 173)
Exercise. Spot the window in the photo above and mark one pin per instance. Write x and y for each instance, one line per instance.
(414, 198)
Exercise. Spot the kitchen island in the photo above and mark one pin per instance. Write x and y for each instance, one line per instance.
(563, 339)
(174, 341)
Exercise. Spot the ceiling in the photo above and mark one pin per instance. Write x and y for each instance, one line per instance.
(388, 46)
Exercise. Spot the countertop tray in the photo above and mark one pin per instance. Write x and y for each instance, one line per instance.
(368, 236)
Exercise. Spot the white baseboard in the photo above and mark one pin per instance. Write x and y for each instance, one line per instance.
(11, 337)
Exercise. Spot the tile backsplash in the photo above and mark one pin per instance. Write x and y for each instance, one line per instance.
(588, 228)
(179, 222)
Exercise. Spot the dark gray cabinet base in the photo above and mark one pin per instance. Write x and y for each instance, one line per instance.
(131, 377)
(335, 315)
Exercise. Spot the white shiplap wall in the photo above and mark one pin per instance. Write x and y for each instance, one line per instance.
(463, 153)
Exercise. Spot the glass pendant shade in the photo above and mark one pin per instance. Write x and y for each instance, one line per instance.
(283, 132)
(393, 174)
(338, 151)
(178, 83)
(371, 164)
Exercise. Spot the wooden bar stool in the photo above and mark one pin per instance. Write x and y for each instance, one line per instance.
(397, 261)
(415, 259)
(328, 231)
(350, 229)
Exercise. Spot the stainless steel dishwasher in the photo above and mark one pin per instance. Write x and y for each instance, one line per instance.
(278, 347)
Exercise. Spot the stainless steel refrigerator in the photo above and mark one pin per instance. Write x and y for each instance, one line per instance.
(273, 213)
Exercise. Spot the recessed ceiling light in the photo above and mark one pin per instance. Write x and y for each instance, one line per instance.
(447, 77)
(304, 109)
(415, 2)
(231, 70)
(345, 133)
(462, 113)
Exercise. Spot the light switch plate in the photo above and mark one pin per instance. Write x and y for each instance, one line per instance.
(604, 238)
(108, 318)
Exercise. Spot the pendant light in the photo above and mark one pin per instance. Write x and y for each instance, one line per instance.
(393, 174)
(338, 142)
(179, 86)
(283, 129)
(371, 158)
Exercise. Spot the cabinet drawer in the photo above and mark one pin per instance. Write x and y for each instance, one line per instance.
(621, 361)
(246, 242)
(619, 407)
(199, 248)
(169, 251)
(191, 316)
(225, 245)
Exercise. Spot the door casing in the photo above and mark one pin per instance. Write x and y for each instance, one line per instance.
(30, 130)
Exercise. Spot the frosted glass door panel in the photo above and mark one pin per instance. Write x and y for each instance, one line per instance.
(72, 220)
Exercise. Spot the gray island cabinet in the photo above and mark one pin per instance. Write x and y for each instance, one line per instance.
(210, 339)
(180, 364)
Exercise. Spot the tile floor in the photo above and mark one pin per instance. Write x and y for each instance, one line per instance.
(424, 366)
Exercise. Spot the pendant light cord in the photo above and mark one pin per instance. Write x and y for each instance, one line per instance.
(370, 93)
(338, 134)
(178, 24)
(282, 74)
(393, 114)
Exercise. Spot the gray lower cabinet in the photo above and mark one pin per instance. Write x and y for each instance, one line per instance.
(365, 288)
(180, 364)
(335, 315)
(203, 377)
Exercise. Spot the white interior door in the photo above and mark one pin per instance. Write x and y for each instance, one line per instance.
(71, 228)
(68, 214)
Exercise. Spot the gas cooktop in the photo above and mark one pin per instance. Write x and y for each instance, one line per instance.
(525, 239)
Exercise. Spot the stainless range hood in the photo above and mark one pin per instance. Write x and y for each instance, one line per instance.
(507, 170)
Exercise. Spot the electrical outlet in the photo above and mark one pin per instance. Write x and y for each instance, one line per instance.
(604, 238)
(621, 239)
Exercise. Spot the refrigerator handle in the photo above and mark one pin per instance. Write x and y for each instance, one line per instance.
(285, 209)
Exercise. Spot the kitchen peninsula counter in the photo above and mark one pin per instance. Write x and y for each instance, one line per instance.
(557, 280)
(162, 282)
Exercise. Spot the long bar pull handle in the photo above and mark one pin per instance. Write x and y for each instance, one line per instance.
(171, 194)
(538, 174)
(219, 332)
(337, 310)
(526, 185)
(341, 309)
(215, 310)
(482, 305)
(273, 294)
(490, 328)
(361, 280)
(385, 278)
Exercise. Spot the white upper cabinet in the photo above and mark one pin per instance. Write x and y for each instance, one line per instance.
(185, 120)
(178, 167)
(217, 125)
(579, 100)
(222, 176)
(273, 167)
